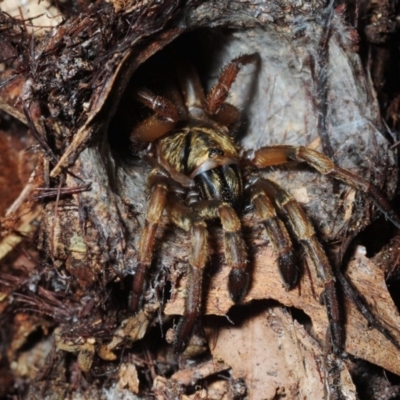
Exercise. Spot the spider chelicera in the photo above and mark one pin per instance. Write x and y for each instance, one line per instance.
(199, 175)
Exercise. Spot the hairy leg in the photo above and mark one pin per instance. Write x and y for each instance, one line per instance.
(159, 190)
(304, 232)
(184, 218)
(278, 155)
(277, 232)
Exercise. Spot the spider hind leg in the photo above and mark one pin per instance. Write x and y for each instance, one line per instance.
(219, 93)
(165, 117)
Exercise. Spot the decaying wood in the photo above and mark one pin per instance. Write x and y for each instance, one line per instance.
(369, 280)
(276, 356)
(66, 262)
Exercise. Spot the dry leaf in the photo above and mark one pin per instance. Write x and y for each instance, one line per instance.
(361, 341)
(275, 356)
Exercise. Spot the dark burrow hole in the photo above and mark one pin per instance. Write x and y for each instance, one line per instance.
(239, 314)
(205, 49)
(302, 318)
(32, 339)
(373, 382)
(375, 236)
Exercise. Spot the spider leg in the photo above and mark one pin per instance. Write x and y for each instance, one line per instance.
(276, 155)
(191, 87)
(195, 100)
(227, 115)
(159, 190)
(165, 116)
(218, 94)
(235, 248)
(185, 219)
(277, 232)
(235, 252)
(304, 232)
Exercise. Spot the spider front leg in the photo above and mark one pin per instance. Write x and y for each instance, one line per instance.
(184, 218)
(235, 248)
(235, 253)
(278, 155)
(277, 232)
(304, 232)
(159, 190)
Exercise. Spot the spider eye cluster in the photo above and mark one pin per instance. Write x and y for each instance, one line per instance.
(214, 152)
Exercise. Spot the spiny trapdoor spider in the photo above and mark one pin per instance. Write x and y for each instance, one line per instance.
(199, 175)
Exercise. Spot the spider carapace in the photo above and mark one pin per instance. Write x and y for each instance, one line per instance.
(199, 174)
